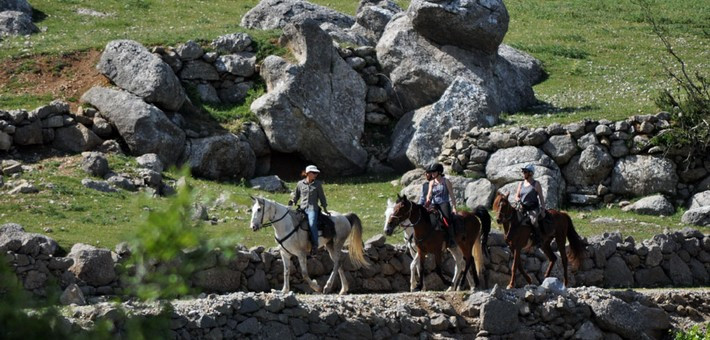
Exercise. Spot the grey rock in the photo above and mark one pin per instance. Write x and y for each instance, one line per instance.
(679, 271)
(95, 164)
(150, 161)
(276, 14)
(198, 70)
(92, 265)
(16, 5)
(221, 280)
(220, 157)
(325, 128)
(133, 68)
(14, 238)
(617, 273)
(101, 127)
(268, 183)
(144, 127)
(236, 93)
(72, 295)
(232, 43)
(16, 23)
(29, 134)
(189, 50)
(701, 199)
(102, 186)
(652, 205)
(467, 25)
(480, 192)
(75, 138)
(499, 317)
(697, 216)
(207, 93)
(241, 64)
(640, 175)
(5, 141)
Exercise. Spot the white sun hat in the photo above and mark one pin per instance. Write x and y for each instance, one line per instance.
(312, 168)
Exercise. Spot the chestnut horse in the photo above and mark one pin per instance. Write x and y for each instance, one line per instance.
(557, 225)
(430, 241)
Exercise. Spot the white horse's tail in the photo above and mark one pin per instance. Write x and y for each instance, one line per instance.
(355, 247)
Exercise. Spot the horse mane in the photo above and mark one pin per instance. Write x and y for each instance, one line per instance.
(496, 202)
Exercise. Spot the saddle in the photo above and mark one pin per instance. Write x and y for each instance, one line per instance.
(443, 223)
(326, 226)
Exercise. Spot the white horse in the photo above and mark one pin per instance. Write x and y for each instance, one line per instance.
(294, 240)
(415, 268)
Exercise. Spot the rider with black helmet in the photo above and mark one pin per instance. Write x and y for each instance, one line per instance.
(441, 195)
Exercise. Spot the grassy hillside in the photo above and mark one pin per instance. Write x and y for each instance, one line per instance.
(602, 61)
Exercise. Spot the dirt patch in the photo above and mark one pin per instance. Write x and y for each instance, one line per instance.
(64, 77)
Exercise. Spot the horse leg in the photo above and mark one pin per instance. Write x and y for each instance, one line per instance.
(420, 285)
(550, 256)
(414, 271)
(458, 259)
(286, 258)
(561, 245)
(437, 257)
(336, 257)
(304, 272)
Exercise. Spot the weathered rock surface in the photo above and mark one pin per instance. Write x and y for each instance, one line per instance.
(133, 68)
(220, 157)
(317, 107)
(143, 127)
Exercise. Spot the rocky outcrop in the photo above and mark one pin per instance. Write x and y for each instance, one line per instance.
(16, 23)
(277, 14)
(144, 127)
(317, 107)
(220, 157)
(133, 68)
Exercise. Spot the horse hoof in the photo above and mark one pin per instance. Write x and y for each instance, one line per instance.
(343, 292)
(509, 287)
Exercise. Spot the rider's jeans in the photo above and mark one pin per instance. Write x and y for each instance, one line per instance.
(312, 214)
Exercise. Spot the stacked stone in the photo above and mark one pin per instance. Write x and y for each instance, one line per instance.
(530, 312)
(595, 157)
(680, 258)
(52, 125)
(223, 75)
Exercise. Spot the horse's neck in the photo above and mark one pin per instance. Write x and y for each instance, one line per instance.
(283, 226)
(421, 224)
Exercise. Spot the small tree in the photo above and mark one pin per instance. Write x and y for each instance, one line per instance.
(688, 103)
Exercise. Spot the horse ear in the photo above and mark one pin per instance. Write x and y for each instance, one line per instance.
(252, 198)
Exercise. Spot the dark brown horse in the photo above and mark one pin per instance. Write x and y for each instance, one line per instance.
(558, 226)
(430, 241)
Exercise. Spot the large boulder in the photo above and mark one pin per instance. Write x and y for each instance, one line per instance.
(697, 216)
(75, 138)
(372, 18)
(277, 14)
(561, 148)
(470, 25)
(701, 199)
(589, 169)
(480, 192)
(14, 238)
(220, 157)
(143, 127)
(16, 5)
(317, 107)
(133, 68)
(503, 170)
(422, 70)
(652, 205)
(641, 175)
(16, 23)
(630, 320)
(417, 139)
(92, 265)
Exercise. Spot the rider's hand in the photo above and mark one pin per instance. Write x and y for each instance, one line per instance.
(325, 211)
(453, 209)
(427, 203)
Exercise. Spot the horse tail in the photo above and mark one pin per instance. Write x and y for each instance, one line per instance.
(355, 246)
(483, 215)
(576, 246)
(478, 253)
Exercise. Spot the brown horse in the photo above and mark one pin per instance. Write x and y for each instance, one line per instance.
(557, 225)
(431, 241)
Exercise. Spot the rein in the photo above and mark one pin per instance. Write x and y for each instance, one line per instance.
(271, 222)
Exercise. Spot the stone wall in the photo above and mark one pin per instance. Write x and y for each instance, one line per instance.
(527, 313)
(680, 258)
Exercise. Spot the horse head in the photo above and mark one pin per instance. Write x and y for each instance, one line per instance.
(400, 212)
(502, 206)
(388, 212)
(257, 213)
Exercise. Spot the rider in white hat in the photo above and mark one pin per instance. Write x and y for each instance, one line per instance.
(307, 194)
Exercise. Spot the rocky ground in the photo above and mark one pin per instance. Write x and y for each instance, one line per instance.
(524, 313)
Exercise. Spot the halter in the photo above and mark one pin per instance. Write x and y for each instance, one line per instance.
(510, 217)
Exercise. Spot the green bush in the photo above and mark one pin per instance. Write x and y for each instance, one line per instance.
(694, 333)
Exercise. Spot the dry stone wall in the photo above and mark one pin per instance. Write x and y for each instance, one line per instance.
(678, 259)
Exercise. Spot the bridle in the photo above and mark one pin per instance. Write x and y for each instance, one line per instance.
(409, 218)
(501, 215)
(263, 213)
